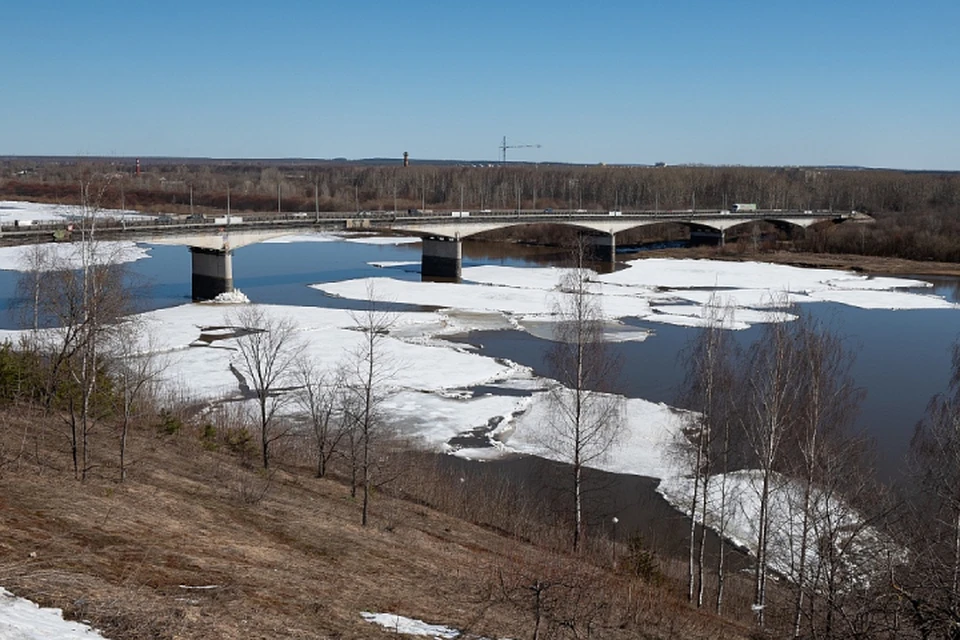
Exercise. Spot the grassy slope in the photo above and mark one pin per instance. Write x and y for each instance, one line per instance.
(294, 564)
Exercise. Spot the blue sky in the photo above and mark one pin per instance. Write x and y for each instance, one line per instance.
(855, 82)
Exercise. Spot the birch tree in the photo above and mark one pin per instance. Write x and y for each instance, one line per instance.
(36, 263)
(267, 352)
(706, 439)
(82, 294)
(585, 417)
(368, 372)
(828, 403)
(771, 387)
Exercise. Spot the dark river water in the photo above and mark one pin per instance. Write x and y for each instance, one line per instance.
(902, 357)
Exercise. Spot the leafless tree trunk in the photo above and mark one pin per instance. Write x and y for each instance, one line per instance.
(586, 418)
(134, 367)
(36, 265)
(367, 374)
(771, 388)
(267, 351)
(84, 297)
(828, 403)
(321, 399)
(707, 394)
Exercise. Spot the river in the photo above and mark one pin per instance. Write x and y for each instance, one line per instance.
(902, 357)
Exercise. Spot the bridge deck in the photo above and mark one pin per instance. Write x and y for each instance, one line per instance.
(255, 228)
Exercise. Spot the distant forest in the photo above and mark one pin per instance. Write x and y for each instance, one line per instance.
(917, 213)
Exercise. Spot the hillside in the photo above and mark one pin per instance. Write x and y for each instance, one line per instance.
(283, 554)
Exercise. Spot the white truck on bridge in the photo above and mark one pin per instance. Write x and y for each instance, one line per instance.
(740, 207)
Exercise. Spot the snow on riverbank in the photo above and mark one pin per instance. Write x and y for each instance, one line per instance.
(21, 619)
(11, 210)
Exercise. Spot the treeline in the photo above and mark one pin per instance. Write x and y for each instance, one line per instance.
(349, 187)
(917, 214)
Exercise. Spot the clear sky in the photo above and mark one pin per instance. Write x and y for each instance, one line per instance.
(774, 82)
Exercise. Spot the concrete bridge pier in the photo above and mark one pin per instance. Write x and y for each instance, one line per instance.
(442, 258)
(212, 272)
(602, 248)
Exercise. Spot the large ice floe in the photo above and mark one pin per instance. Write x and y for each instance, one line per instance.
(69, 255)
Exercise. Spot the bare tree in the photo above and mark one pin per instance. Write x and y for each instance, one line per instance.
(828, 402)
(931, 582)
(585, 418)
(367, 374)
(771, 386)
(267, 351)
(320, 397)
(134, 367)
(84, 297)
(706, 439)
(36, 263)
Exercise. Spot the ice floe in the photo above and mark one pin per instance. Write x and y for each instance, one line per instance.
(68, 255)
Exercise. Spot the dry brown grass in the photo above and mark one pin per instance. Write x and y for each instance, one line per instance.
(283, 553)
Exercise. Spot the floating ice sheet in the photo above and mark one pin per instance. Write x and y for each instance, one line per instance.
(45, 257)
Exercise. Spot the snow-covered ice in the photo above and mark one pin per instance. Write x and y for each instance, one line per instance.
(643, 448)
(654, 290)
(21, 619)
(67, 254)
(303, 237)
(376, 239)
(11, 210)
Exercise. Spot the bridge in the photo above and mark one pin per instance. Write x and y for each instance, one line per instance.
(213, 241)
(442, 254)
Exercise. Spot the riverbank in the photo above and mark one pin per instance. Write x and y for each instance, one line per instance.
(870, 265)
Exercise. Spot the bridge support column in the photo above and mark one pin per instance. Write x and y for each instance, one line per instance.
(212, 272)
(442, 258)
(603, 248)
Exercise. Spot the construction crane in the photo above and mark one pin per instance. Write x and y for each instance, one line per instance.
(504, 146)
